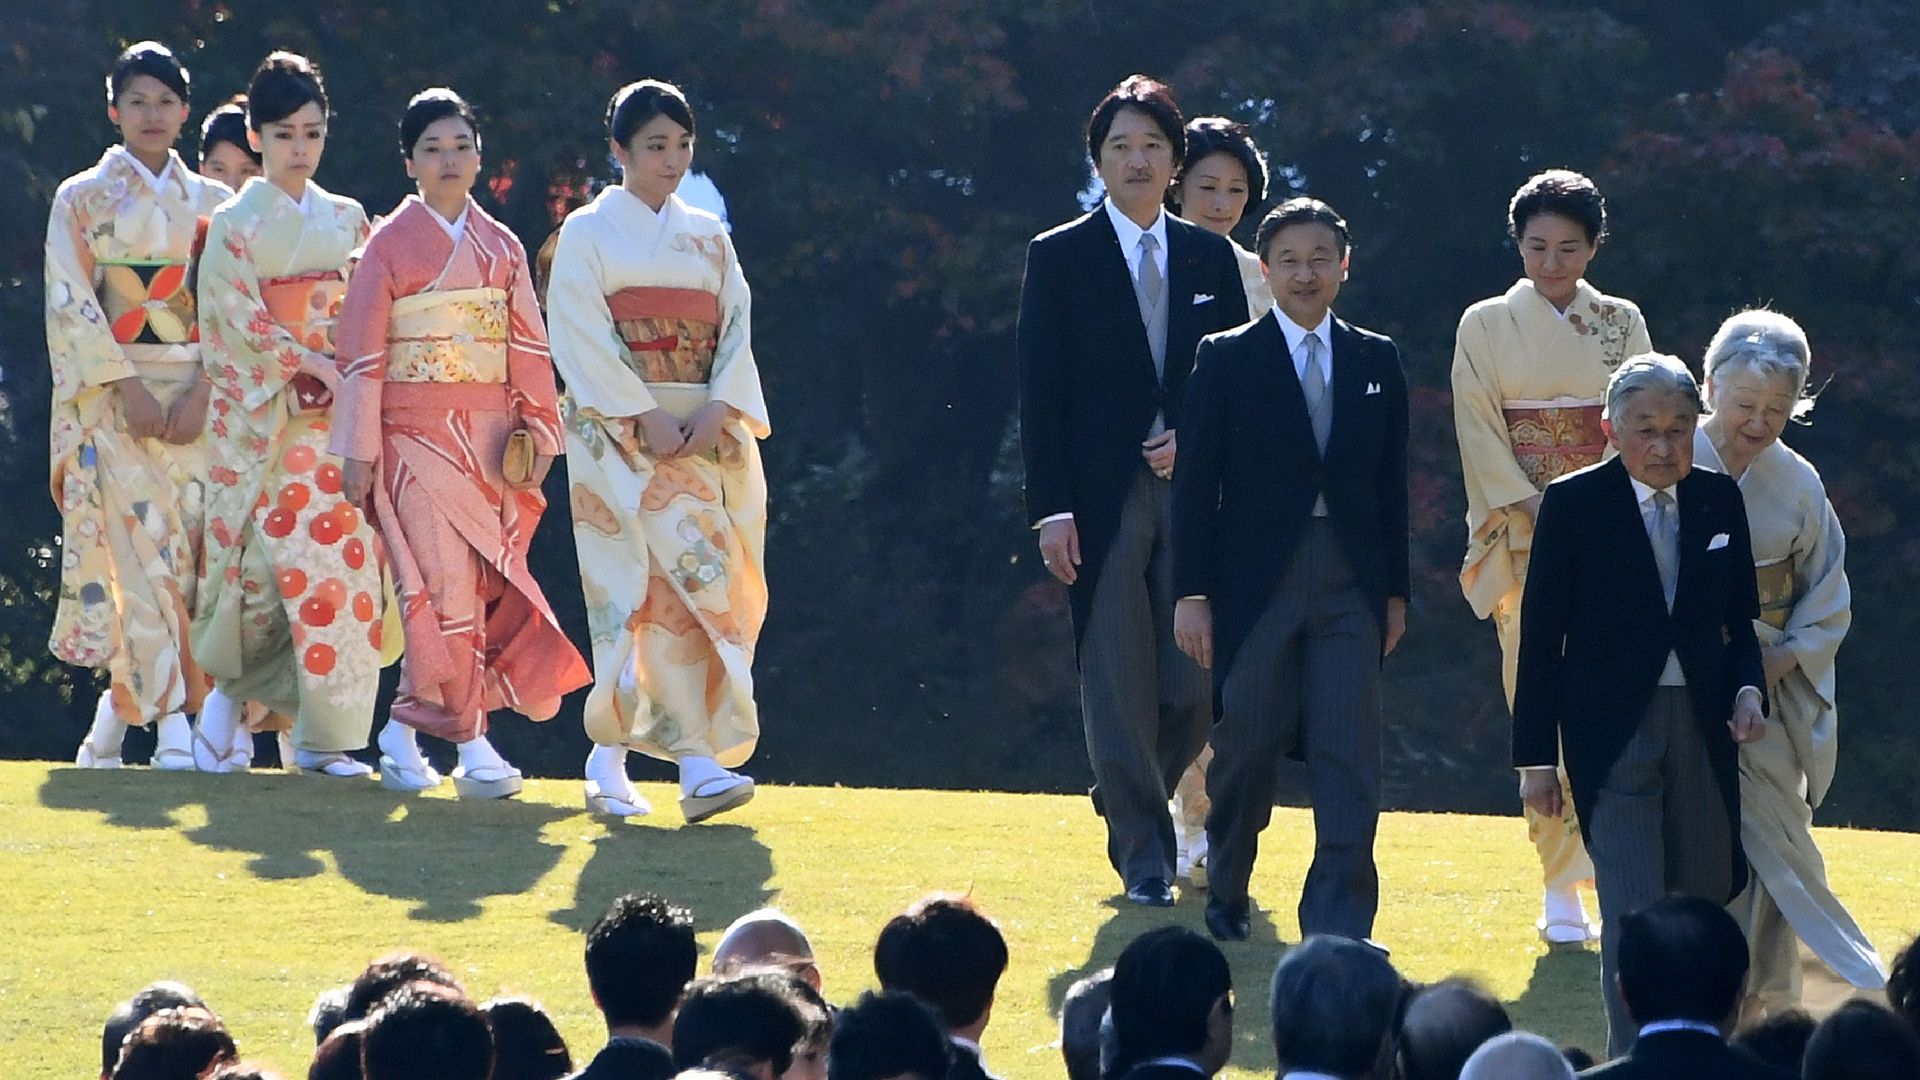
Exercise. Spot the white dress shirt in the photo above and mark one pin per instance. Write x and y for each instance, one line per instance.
(1129, 234)
(1296, 336)
(1670, 675)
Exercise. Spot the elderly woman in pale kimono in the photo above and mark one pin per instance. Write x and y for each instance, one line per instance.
(649, 315)
(1530, 372)
(1756, 371)
(129, 407)
(1225, 177)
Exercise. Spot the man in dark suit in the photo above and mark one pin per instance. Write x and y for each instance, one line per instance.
(1332, 1006)
(1638, 657)
(1683, 968)
(943, 951)
(1172, 1007)
(1290, 558)
(1110, 311)
(641, 955)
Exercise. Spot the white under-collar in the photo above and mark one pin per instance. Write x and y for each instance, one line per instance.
(156, 182)
(456, 229)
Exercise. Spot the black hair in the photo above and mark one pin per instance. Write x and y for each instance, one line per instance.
(1209, 135)
(338, 1055)
(174, 1044)
(640, 956)
(1082, 1014)
(636, 103)
(1333, 1006)
(1165, 985)
(1565, 193)
(429, 106)
(152, 59)
(1862, 1041)
(150, 999)
(943, 951)
(241, 1070)
(227, 124)
(1150, 96)
(1682, 958)
(1302, 211)
(1578, 1058)
(526, 1044)
(1443, 1024)
(389, 973)
(1903, 985)
(738, 1022)
(329, 1009)
(426, 1031)
(888, 1034)
(1780, 1039)
(282, 85)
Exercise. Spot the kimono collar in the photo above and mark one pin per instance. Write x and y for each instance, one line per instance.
(1523, 292)
(639, 205)
(306, 203)
(156, 182)
(456, 229)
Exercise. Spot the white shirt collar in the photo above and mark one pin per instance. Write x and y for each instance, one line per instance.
(1659, 1026)
(456, 229)
(969, 1044)
(1129, 233)
(156, 181)
(1643, 494)
(1295, 333)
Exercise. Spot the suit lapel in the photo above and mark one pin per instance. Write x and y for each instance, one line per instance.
(1110, 263)
(1276, 365)
(1350, 378)
(1694, 528)
(1183, 269)
(1631, 540)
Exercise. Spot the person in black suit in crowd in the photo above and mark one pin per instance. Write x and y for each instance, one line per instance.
(1172, 1007)
(1862, 1041)
(1443, 1024)
(1683, 967)
(1290, 560)
(1638, 658)
(891, 1035)
(1333, 1006)
(1086, 1041)
(1111, 309)
(943, 951)
(426, 1030)
(641, 955)
(748, 1024)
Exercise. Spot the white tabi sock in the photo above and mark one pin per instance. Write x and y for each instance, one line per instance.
(477, 756)
(607, 767)
(1563, 906)
(108, 731)
(695, 771)
(402, 744)
(217, 720)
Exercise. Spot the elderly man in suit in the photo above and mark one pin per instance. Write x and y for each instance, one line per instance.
(1290, 557)
(1638, 656)
(1111, 310)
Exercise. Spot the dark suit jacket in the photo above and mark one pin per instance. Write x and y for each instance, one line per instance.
(1162, 1072)
(1249, 472)
(1689, 1055)
(966, 1065)
(1088, 394)
(629, 1059)
(1595, 630)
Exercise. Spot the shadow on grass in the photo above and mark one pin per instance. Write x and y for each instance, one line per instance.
(720, 871)
(1562, 1000)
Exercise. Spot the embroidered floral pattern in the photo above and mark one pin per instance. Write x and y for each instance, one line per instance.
(1611, 323)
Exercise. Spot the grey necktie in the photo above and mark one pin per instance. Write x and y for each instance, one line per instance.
(1149, 279)
(1666, 543)
(1314, 384)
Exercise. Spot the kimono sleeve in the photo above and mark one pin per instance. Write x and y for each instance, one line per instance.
(530, 392)
(735, 379)
(360, 343)
(1494, 479)
(80, 341)
(585, 345)
(1824, 610)
(247, 355)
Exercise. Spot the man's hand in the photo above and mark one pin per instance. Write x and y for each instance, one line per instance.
(1747, 724)
(1193, 629)
(356, 484)
(1779, 662)
(702, 429)
(662, 434)
(188, 419)
(140, 415)
(1060, 549)
(1159, 452)
(1540, 790)
(1396, 623)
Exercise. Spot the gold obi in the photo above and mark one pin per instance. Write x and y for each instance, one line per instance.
(1776, 592)
(670, 334)
(1553, 438)
(449, 336)
(306, 306)
(147, 301)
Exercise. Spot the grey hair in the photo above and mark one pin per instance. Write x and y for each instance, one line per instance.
(1651, 371)
(1767, 343)
(1517, 1055)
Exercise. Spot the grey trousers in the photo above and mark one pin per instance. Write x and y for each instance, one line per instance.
(1306, 678)
(1144, 703)
(1658, 827)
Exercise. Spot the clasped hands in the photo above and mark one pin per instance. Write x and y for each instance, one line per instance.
(143, 417)
(667, 436)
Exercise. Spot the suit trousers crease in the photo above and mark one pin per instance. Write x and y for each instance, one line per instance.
(1306, 681)
(1145, 704)
(1659, 827)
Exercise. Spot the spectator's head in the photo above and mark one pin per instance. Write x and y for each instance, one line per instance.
(1682, 958)
(1517, 1055)
(1780, 1039)
(180, 1043)
(1862, 1041)
(1333, 1006)
(526, 1044)
(816, 1018)
(1578, 1058)
(391, 972)
(1081, 1013)
(150, 999)
(338, 1056)
(1172, 996)
(748, 1023)
(426, 1032)
(765, 939)
(945, 952)
(1444, 1024)
(329, 1011)
(640, 956)
(242, 1070)
(1903, 986)
(891, 1035)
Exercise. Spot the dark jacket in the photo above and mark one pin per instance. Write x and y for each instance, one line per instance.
(629, 1059)
(1684, 1055)
(967, 1066)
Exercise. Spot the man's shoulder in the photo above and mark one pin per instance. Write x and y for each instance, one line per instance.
(1712, 483)
(1244, 338)
(1067, 232)
(1583, 480)
(1370, 339)
(628, 1059)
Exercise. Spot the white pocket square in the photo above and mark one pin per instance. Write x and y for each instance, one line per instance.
(1203, 298)
(1373, 388)
(1719, 541)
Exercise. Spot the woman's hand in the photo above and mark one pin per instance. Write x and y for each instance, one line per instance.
(661, 433)
(188, 420)
(703, 428)
(140, 415)
(356, 484)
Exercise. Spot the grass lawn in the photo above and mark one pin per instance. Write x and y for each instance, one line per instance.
(262, 890)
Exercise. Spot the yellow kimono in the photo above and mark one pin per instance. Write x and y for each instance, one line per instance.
(650, 310)
(1529, 385)
(1254, 280)
(118, 242)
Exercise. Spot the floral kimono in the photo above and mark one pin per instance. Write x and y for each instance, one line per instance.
(442, 358)
(293, 613)
(118, 306)
(1529, 385)
(650, 310)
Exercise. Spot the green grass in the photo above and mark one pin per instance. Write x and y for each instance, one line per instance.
(262, 890)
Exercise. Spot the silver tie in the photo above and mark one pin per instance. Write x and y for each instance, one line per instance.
(1666, 543)
(1314, 384)
(1149, 278)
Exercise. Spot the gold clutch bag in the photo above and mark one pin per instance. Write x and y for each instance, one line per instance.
(518, 464)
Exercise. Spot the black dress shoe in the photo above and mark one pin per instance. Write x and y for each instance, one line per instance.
(1228, 922)
(1152, 892)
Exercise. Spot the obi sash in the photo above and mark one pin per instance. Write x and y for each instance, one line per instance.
(670, 334)
(1775, 580)
(448, 336)
(1553, 438)
(147, 301)
(306, 305)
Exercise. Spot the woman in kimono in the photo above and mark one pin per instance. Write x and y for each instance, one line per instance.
(226, 154)
(1225, 177)
(291, 600)
(447, 418)
(129, 406)
(649, 313)
(1756, 368)
(1530, 374)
